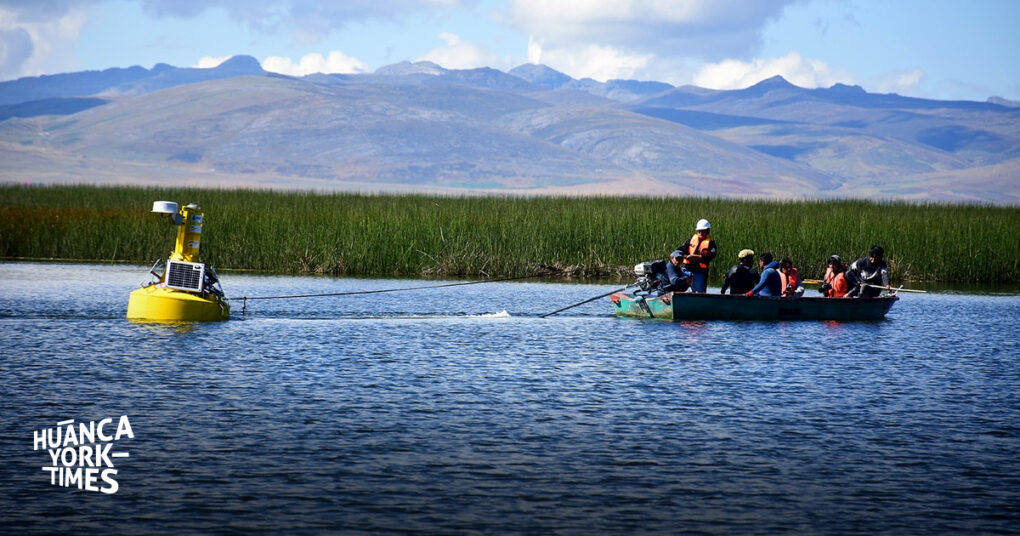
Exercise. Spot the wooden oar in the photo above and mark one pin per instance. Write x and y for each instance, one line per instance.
(819, 282)
(901, 289)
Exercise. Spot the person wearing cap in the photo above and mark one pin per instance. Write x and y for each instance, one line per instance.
(742, 276)
(770, 283)
(869, 277)
(696, 253)
(675, 279)
(835, 283)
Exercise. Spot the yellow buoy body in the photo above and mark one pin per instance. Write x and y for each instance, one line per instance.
(161, 304)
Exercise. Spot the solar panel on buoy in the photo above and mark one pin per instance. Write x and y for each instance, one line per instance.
(185, 275)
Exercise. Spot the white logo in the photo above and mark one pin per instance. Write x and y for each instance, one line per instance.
(81, 454)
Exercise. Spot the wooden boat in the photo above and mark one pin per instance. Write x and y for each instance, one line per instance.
(691, 306)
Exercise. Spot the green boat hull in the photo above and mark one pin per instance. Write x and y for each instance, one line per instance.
(691, 306)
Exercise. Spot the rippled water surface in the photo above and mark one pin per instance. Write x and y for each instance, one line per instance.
(459, 410)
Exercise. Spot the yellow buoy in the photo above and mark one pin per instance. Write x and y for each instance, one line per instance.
(183, 288)
(168, 305)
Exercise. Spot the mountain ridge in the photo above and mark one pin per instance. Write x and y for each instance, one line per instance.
(532, 130)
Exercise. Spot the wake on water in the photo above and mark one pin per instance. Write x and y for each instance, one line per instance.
(501, 314)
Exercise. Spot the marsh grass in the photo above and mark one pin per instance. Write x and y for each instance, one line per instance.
(422, 235)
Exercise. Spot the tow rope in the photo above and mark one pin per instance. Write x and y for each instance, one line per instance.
(244, 299)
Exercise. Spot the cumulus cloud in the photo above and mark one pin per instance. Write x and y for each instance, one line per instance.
(798, 70)
(590, 61)
(334, 62)
(534, 50)
(645, 39)
(51, 26)
(901, 82)
(308, 20)
(16, 47)
(36, 11)
(458, 54)
(208, 62)
(35, 37)
(704, 28)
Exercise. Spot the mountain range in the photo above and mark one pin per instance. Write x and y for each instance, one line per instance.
(532, 130)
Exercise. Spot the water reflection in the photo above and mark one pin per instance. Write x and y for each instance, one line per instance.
(162, 326)
(692, 331)
(834, 326)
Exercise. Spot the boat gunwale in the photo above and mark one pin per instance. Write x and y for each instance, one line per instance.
(672, 306)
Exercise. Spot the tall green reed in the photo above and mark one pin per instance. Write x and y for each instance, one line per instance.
(415, 235)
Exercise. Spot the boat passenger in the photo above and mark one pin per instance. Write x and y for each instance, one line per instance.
(869, 277)
(835, 283)
(696, 253)
(789, 278)
(673, 278)
(742, 276)
(769, 284)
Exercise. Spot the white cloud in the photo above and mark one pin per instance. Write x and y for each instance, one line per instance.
(901, 82)
(334, 62)
(706, 28)
(800, 71)
(208, 62)
(458, 54)
(577, 13)
(308, 20)
(665, 40)
(534, 50)
(591, 61)
(32, 45)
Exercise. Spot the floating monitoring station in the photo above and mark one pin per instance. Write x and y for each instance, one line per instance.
(183, 288)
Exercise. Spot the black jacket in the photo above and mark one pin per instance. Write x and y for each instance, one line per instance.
(740, 279)
(864, 271)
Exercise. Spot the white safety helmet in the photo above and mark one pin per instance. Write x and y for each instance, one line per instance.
(703, 225)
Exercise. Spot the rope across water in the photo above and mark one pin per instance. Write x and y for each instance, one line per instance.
(244, 299)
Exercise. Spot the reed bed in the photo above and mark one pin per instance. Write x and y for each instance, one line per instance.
(423, 235)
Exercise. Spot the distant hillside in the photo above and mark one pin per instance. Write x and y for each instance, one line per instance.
(847, 132)
(120, 81)
(420, 127)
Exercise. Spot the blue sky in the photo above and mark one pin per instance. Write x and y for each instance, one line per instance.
(928, 48)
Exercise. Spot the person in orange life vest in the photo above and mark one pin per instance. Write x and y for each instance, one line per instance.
(835, 285)
(790, 279)
(696, 253)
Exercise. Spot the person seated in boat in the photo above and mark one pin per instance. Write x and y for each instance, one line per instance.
(789, 278)
(742, 276)
(675, 277)
(834, 284)
(869, 277)
(769, 284)
(696, 253)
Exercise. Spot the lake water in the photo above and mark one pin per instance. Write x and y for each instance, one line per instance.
(459, 410)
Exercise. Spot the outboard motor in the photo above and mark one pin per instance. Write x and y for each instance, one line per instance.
(651, 275)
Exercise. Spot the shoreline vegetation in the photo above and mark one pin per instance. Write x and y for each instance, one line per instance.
(419, 235)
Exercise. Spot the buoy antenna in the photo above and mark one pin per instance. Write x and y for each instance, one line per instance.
(170, 208)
